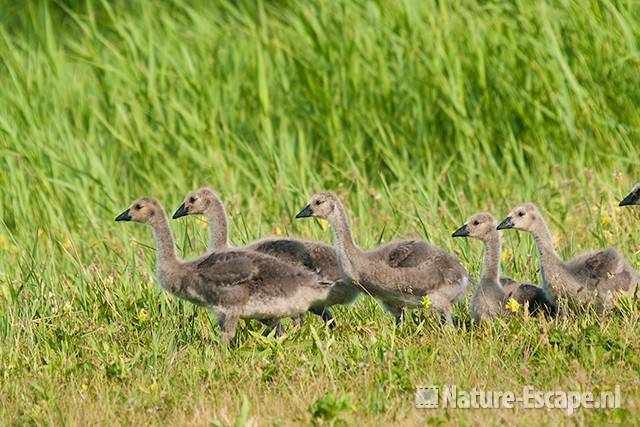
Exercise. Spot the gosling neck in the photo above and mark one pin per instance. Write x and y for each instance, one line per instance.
(347, 251)
(166, 248)
(218, 227)
(544, 244)
(492, 253)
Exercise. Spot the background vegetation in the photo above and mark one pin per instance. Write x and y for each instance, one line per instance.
(418, 113)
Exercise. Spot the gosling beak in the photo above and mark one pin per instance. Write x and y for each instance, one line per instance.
(461, 232)
(305, 213)
(124, 216)
(632, 198)
(182, 211)
(506, 224)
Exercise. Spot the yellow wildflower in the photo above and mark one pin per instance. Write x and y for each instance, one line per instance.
(506, 255)
(143, 315)
(85, 386)
(68, 244)
(605, 220)
(278, 231)
(426, 302)
(513, 305)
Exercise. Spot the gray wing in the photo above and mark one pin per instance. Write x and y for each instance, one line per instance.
(288, 250)
(223, 278)
(226, 268)
(316, 257)
(598, 265)
(605, 271)
(436, 270)
(623, 281)
(409, 254)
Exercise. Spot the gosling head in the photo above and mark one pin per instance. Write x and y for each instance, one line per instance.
(632, 198)
(197, 202)
(524, 217)
(321, 205)
(480, 226)
(144, 210)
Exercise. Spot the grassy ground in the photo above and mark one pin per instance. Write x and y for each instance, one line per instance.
(417, 113)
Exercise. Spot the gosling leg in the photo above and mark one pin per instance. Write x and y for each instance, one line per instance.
(298, 320)
(273, 325)
(227, 324)
(448, 315)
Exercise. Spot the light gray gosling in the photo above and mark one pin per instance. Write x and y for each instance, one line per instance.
(233, 284)
(490, 297)
(438, 276)
(314, 256)
(594, 278)
(633, 198)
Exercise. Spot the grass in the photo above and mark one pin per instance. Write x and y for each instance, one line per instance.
(418, 113)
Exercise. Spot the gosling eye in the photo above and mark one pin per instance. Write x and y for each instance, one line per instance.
(520, 214)
(476, 222)
(319, 202)
(192, 199)
(137, 207)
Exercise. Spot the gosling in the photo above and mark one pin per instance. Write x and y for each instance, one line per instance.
(234, 284)
(434, 274)
(595, 279)
(314, 256)
(490, 298)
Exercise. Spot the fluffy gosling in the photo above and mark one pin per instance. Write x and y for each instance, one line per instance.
(437, 275)
(594, 278)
